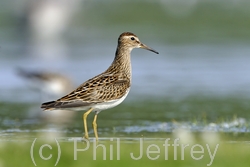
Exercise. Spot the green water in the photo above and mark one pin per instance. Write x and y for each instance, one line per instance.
(208, 31)
(139, 118)
(221, 122)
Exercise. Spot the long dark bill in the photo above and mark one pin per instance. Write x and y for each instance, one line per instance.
(148, 48)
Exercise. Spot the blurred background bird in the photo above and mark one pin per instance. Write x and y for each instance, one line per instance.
(49, 84)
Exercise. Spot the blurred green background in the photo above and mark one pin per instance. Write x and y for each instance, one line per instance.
(196, 89)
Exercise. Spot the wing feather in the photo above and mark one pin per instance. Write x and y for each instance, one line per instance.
(104, 87)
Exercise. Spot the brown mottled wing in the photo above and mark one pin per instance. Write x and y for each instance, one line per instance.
(104, 87)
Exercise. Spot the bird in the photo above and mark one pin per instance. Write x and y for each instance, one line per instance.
(105, 90)
(48, 83)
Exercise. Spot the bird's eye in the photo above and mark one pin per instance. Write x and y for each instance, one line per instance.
(132, 38)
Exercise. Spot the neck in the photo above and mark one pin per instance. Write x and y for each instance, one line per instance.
(121, 63)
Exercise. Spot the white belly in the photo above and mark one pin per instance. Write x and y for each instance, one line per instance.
(102, 106)
(110, 104)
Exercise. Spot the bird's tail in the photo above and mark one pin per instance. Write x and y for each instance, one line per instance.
(49, 105)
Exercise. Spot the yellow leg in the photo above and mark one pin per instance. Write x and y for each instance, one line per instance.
(84, 118)
(95, 127)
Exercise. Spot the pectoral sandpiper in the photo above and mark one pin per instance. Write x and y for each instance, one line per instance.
(105, 90)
